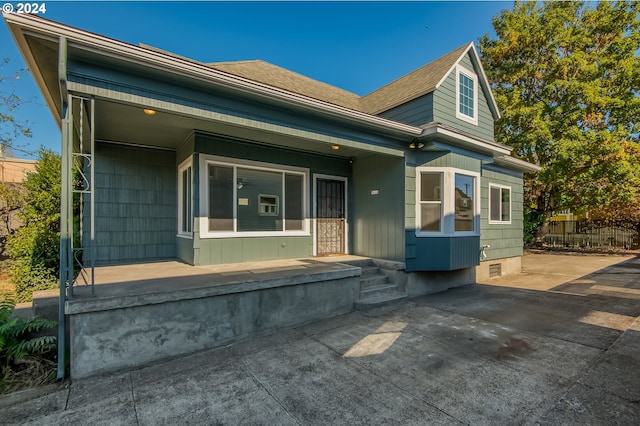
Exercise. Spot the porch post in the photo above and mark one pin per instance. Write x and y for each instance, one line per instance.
(65, 222)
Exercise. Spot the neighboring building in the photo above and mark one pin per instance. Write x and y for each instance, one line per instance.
(13, 172)
(246, 161)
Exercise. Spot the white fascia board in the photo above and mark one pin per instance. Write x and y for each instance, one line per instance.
(102, 45)
(468, 141)
(483, 76)
(516, 163)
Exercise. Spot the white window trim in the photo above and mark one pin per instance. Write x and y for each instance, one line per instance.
(181, 168)
(206, 160)
(447, 225)
(500, 222)
(470, 74)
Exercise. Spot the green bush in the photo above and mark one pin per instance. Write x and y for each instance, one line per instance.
(19, 340)
(34, 248)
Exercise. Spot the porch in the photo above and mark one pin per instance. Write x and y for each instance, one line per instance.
(150, 311)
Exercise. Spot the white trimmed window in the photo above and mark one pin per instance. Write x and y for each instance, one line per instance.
(499, 204)
(447, 202)
(246, 198)
(185, 198)
(466, 95)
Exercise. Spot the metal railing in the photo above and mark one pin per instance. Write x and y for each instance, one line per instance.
(579, 233)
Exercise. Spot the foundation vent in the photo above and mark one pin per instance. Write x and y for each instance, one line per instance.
(495, 270)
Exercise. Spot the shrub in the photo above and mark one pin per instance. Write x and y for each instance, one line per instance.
(21, 346)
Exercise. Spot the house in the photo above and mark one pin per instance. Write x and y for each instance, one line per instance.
(229, 162)
(13, 172)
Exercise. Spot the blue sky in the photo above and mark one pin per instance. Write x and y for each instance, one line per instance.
(358, 46)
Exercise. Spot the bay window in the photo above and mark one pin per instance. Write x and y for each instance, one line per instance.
(447, 202)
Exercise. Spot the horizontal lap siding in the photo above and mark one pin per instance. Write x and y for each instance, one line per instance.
(416, 112)
(506, 240)
(135, 218)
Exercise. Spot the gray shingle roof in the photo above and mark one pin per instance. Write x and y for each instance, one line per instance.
(410, 86)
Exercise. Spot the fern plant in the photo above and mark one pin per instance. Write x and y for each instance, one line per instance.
(16, 337)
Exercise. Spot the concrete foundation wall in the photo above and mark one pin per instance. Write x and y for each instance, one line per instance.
(421, 283)
(117, 338)
(508, 266)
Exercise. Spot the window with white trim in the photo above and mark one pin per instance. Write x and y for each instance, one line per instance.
(466, 95)
(185, 199)
(446, 202)
(251, 199)
(499, 204)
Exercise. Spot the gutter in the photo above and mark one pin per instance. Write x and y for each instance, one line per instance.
(105, 46)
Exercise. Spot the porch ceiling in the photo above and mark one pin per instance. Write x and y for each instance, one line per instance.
(128, 124)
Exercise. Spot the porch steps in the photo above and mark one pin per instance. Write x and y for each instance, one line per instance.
(376, 290)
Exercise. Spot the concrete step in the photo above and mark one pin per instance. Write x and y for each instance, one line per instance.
(378, 290)
(360, 262)
(375, 302)
(369, 271)
(373, 281)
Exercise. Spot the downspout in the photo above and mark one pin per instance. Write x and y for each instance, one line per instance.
(64, 214)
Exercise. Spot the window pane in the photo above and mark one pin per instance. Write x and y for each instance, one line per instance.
(430, 217)
(494, 204)
(506, 204)
(293, 196)
(259, 200)
(220, 198)
(464, 212)
(466, 95)
(430, 187)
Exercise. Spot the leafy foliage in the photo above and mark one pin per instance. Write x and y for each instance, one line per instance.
(567, 78)
(10, 128)
(34, 248)
(18, 339)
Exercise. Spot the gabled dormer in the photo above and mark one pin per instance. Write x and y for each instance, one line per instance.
(453, 91)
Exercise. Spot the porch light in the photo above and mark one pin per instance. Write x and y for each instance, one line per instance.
(416, 144)
(149, 111)
(335, 147)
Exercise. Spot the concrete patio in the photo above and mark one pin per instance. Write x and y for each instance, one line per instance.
(483, 354)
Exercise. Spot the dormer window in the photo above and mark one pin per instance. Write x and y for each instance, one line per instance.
(467, 95)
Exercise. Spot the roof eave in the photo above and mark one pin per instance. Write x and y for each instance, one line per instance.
(516, 164)
(134, 54)
(469, 142)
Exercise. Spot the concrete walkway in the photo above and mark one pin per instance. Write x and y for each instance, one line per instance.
(567, 353)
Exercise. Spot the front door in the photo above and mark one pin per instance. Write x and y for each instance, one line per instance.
(330, 217)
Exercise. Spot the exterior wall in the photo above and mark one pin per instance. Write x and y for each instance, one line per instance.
(416, 112)
(506, 240)
(378, 217)
(13, 170)
(445, 104)
(243, 249)
(442, 253)
(135, 218)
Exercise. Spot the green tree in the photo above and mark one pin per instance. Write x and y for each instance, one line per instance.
(34, 248)
(566, 78)
(10, 128)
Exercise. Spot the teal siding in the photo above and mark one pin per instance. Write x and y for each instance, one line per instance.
(445, 104)
(441, 253)
(135, 218)
(416, 112)
(184, 249)
(244, 249)
(447, 159)
(185, 150)
(378, 218)
(506, 240)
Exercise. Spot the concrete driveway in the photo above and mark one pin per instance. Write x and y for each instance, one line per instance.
(558, 344)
